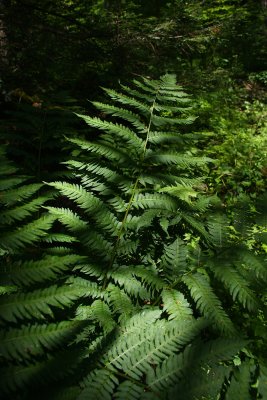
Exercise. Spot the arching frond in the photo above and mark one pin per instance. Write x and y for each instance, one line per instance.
(31, 340)
(236, 284)
(27, 234)
(122, 113)
(176, 305)
(126, 134)
(39, 303)
(208, 303)
(47, 269)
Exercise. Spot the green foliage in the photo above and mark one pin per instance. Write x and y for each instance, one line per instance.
(133, 282)
(137, 310)
(77, 47)
(29, 295)
(20, 203)
(238, 140)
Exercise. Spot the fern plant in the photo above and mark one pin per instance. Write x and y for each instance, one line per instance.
(29, 329)
(149, 306)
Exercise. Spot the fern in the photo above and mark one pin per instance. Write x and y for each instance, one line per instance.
(176, 305)
(20, 202)
(263, 380)
(240, 383)
(27, 297)
(174, 259)
(138, 286)
(31, 340)
(207, 302)
(15, 378)
(46, 269)
(99, 385)
(237, 285)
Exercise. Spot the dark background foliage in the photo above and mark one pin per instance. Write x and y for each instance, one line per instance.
(54, 58)
(78, 45)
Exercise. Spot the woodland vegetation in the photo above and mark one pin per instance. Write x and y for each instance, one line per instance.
(133, 202)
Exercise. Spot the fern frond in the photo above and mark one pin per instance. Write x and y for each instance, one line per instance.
(95, 185)
(208, 303)
(203, 204)
(154, 200)
(196, 224)
(263, 380)
(7, 289)
(145, 87)
(116, 129)
(180, 191)
(90, 203)
(172, 374)
(11, 182)
(143, 108)
(236, 284)
(46, 269)
(98, 385)
(128, 390)
(176, 305)
(124, 278)
(207, 384)
(77, 193)
(168, 82)
(15, 195)
(122, 113)
(104, 150)
(255, 263)
(96, 242)
(174, 258)
(150, 347)
(28, 234)
(150, 276)
(99, 172)
(39, 303)
(91, 269)
(68, 218)
(174, 97)
(89, 288)
(171, 108)
(157, 137)
(165, 375)
(144, 220)
(101, 312)
(174, 159)
(21, 212)
(30, 341)
(35, 376)
(119, 301)
(59, 237)
(127, 246)
(140, 320)
(218, 229)
(149, 98)
(240, 383)
(163, 121)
